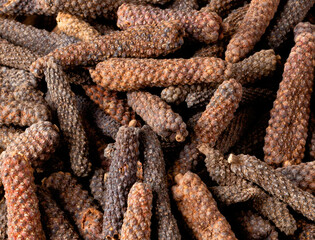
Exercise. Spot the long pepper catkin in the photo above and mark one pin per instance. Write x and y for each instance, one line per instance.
(184, 5)
(69, 118)
(290, 15)
(265, 176)
(57, 225)
(149, 40)
(155, 175)
(203, 26)
(253, 26)
(121, 177)
(97, 185)
(23, 92)
(107, 125)
(199, 209)
(175, 94)
(3, 219)
(159, 115)
(8, 134)
(14, 78)
(222, 7)
(137, 219)
(287, 131)
(74, 199)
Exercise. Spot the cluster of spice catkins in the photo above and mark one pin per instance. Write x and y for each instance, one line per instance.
(157, 119)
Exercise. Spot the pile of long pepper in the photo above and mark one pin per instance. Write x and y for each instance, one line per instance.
(157, 119)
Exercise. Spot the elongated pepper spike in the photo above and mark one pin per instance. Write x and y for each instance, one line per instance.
(10, 77)
(137, 219)
(265, 176)
(287, 131)
(222, 7)
(154, 174)
(214, 50)
(24, 93)
(110, 103)
(253, 26)
(308, 230)
(73, 199)
(76, 27)
(199, 209)
(121, 177)
(8, 134)
(203, 26)
(159, 115)
(175, 94)
(108, 126)
(184, 5)
(3, 219)
(97, 185)
(140, 41)
(290, 15)
(57, 225)
(69, 118)
(38, 41)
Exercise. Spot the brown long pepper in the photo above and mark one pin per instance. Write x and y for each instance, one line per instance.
(287, 131)
(203, 26)
(69, 119)
(265, 176)
(199, 209)
(8, 134)
(222, 7)
(137, 219)
(14, 78)
(22, 93)
(107, 125)
(253, 26)
(158, 115)
(184, 5)
(97, 185)
(3, 219)
(140, 41)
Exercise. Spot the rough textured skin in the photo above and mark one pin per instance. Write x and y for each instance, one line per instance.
(292, 13)
(106, 124)
(154, 174)
(20, 193)
(265, 176)
(97, 185)
(213, 50)
(110, 103)
(184, 5)
(57, 226)
(287, 131)
(175, 94)
(76, 27)
(8, 134)
(308, 230)
(222, 7)
(15, 56)
(140, 41)
(14, 78)
(199, 209)
(72, 198)
(69, 119)
(137, 219)
(200, 95)
(121, 177)
(37, 40)
(158, 115)
(202, 26)
(23, 92)
(253, 26)
(3, 220)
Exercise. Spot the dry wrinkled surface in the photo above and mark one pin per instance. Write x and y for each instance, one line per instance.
(222, 7)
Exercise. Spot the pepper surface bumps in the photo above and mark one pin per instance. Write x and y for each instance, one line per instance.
(222, 7)
(199, 209)
(158, 115)
(8, 134)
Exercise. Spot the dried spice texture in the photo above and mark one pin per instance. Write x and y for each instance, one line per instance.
(222, 7)
(308, 230)
(259, 172)
(214, 50)
(184, 5)
(76, 27)
(175, 94)
(140, 41)
(106, 124)
(57, 225)
(20, 193)
(14, 78)
(287, 131)
(292, 13)
(110, 103)
(15, 56)
(155, 175)
(137, 219)
(8, 134)
(22, 93)
(202, 26)
(73, 199)
(97, 185)
(69, 119)
(199, 209)
(251, 29)
(3, 220)
(121, 177)
(158, 115)
(200, 96)
(38, 41)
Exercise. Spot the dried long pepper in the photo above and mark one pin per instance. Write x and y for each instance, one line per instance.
(154, 174)
(37, 40)
(290, 15)
(3, 219)
(308, 230)
(107, 125)
(158, 115)
(287, 131)
(76, 27)
(97, 185)
(184, 5)
(22, 93)
(140, 41)
(121, 177)
(70, 123)
(175, 94)
(199, 209)
(253, 26)
(265, 176)
(8, 134)
(214, 50)
(10, 77)
(110, 103)
(200, 96)
(202, 26)
(57, 226)
(222, 7)
(73, 199)
(137, 219)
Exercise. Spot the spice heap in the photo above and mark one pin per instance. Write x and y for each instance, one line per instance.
(157, 119)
